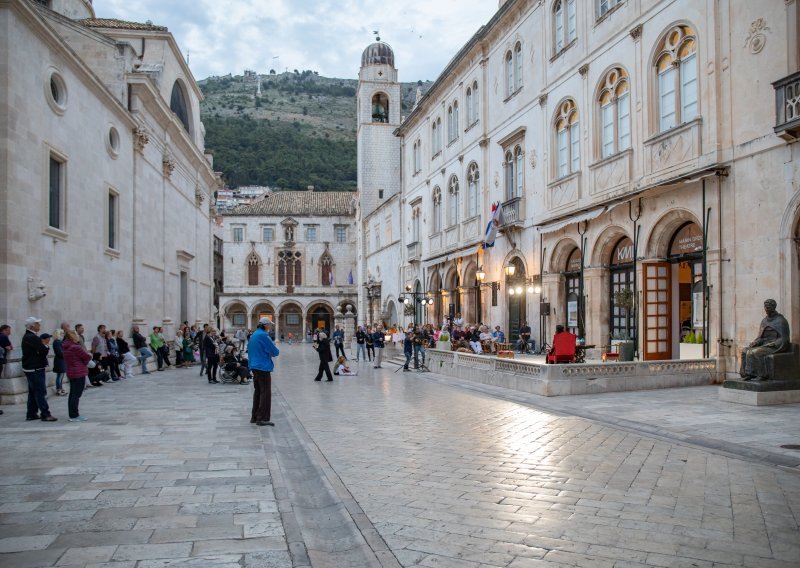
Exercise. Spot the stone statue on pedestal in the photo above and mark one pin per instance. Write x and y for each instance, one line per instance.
(773, 337)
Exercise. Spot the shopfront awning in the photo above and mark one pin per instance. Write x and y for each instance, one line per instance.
(586, 216)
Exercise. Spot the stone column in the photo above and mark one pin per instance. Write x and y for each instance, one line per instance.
(350, 326)
(553, 292)
(598, 306)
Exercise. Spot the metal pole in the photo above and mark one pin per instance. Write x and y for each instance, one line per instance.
(581, 305)
(706, 311)
(636, 230)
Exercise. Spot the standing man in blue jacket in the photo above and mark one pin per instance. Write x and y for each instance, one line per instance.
(261, 349)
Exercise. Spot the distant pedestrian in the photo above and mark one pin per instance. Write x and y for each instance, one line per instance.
(157, 344)
(323, 346)
(209, 348)
(58, 361)
(260, 350)
(76, 360)
(378, 342)
(5, 345)
(198, 340)
(140, 343)
(338, 342)
(34, 365)
(361, 351)
(370, 343)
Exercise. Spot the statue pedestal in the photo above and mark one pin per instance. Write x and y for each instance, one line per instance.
(760, 393)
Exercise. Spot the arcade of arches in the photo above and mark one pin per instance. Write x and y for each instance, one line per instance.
(289, 317)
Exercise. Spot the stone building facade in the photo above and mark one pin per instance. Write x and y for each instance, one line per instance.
(291, 256)
(106, 187)
(632, 145)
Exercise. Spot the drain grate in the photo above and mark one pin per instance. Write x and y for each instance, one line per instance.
(791, 446)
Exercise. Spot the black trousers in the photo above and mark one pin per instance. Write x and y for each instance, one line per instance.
(262, 396)
(212, 362)
(340, 348)
(324, 368)
(370, 352)
(76, 387)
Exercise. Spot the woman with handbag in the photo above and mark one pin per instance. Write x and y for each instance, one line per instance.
(323, 347)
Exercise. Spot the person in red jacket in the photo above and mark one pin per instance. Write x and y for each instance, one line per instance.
(76, 359)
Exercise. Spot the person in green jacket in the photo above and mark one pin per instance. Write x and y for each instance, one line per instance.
(157, 345)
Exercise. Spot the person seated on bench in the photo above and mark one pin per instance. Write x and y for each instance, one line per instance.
(487, 341)
(563, 350)
(474, 339)
(524, 338)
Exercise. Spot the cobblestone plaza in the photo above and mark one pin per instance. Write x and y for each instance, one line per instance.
(397, 469)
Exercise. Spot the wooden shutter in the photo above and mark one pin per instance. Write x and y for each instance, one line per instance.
(657, 311)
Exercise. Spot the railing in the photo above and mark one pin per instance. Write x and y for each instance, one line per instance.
(512, 211)
(414, 252)
(787, 107)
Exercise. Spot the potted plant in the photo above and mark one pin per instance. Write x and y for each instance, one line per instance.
(623, 299)
(691, 346)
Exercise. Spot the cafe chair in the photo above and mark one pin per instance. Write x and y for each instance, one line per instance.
(564, 348)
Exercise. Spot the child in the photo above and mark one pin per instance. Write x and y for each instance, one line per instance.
(97, 376)
(342, 369)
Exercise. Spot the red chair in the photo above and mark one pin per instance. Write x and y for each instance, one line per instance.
(563, 350)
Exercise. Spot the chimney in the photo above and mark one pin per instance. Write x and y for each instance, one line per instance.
(310, 188)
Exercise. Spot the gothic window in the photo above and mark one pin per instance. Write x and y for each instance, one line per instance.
(473, 177)
(282, 268)
(326, 265)
(437, 209)
(676, 73)
(178, 104)
(615, 113)
(298, 267)
(513, 72)
(253, 264)
(567, 131)
(453, 201)
(452, 122)
(564, 23)
(289, 268)
(380, 108)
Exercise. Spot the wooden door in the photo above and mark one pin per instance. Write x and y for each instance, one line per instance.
(657, 311)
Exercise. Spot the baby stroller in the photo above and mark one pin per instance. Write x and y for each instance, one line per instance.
(235, 369)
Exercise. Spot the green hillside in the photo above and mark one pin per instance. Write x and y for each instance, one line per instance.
(301, 131)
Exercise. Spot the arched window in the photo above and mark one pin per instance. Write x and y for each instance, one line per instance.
(518, 66)
(452, 122)
(178, 104)
(564, 23)
(437, 209)
(475, 103)
(298, 270)
(468, 101)
(289, 268)
(453, 204)
(514, 69)
(676, 72)
(509, 74)
(508, 164)
(568, 145)
(615, 112)
(436, 137)
(417, 156)
(326, 273)
(380, 107)
(473, 177)
(455, 120)
(519, 170)
(253, 264)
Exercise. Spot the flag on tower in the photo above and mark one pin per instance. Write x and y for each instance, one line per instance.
(496, 220)
(350, 277)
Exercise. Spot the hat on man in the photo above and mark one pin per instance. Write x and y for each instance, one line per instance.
(32, 320)
(265, 321)
(45, 336)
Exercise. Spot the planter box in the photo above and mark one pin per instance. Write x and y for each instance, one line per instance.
(691, 350)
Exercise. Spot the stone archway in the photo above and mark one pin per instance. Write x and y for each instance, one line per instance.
(261, 309)
(435, 288)
(290, 320)
(319, 316)
(516, 297)
(234, 315)
(472, 295)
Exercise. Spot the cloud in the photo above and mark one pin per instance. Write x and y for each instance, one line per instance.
(228, 36)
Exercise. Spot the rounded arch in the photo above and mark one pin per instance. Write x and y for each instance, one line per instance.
(288, 303)
(660, 235)
(179, 104)
(435, 281)
(234, 314)
(452, 278)
(566, 108)
(789, 260)
(379, 103)
(290, 319)
(319, 315)
(600, 253)
(263, 304)
(261, 308)
(657, 49)
(560, 254)
(391, 309)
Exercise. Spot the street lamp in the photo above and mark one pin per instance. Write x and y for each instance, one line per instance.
(510, 269)
(480, 274)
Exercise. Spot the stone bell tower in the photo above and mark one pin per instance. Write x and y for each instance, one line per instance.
(378, 100)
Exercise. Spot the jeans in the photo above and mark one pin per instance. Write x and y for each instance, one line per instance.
(37, 394)
(262, 396)
(408, 355)
(59, 381)
(160, 358)
(361, 352)
(378, 356)
(144, 355)
(76, 387)
(419, 350)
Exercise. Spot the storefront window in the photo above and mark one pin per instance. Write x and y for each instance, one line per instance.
(686, 251)
(572, 275)
(622, 324)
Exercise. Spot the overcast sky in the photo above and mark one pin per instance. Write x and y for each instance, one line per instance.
(328, 36)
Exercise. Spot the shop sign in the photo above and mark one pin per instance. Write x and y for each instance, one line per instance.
(623, 252)
(687, 240)
(574, 261)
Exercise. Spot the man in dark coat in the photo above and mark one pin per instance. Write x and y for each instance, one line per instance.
(325, 357)
(34, 365)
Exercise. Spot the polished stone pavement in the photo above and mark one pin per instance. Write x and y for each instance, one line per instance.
(397, 469)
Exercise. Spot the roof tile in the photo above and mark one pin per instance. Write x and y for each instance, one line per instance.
(301, 203)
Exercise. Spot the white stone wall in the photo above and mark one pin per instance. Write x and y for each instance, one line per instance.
(161, 227)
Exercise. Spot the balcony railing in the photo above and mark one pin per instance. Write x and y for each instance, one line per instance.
(787, 107)
(414, 251)
(512, 212)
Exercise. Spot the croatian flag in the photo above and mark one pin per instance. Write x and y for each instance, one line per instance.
(496, 220)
